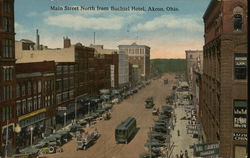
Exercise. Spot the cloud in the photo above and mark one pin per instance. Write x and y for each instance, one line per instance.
(19, 29)
(186, 23)
(32, 14)
(78, 22)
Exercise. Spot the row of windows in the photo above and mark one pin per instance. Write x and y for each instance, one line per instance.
(8, 73)
(7, 48)
(64, 84)
(6, 113)
(32, 104)
(26, 88)
(60, 98)
(8, 24)
(7, 92)
(64, 69)
(7, 7)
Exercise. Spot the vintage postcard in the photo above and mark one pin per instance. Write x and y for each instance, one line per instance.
(123, 79)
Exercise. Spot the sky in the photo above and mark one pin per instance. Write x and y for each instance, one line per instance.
(167, 33)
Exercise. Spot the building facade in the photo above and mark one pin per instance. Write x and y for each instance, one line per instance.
(138, 55)
(35, 100)
(194, 59)
(7, 74)
(223, 108)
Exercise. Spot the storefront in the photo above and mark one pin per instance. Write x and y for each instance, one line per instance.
(34, 123)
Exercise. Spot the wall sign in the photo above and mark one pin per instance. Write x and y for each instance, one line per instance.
(240, 114)
(240, 136)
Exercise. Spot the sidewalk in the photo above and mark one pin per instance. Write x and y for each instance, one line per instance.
(182, 142)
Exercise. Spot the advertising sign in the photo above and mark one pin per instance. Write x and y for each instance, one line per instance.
(240, 136)
(207, 149)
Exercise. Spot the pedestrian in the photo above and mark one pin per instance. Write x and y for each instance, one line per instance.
(186, 154)
(178, 132)
(181, 155)
(177, 156)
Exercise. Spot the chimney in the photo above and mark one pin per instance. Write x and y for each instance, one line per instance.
(66, 42)
(37, 40)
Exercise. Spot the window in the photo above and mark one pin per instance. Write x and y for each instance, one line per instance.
(71, 69)
(18, 108)
(240, 114)
(29, 102)
(34, 87)
(7, 7)
(59, 85)
(39, 102)
(23, 89)
(7, 73)
(7, 48)
(35, 102)
(65, 69)
(237, 22)
(29, 88)
(24, 106)
(18, 91)
(59, 69)
(7, 92)
(240, 66)
(65, 83)
(39, 86)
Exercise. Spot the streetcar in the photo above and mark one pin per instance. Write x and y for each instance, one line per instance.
(126, 130)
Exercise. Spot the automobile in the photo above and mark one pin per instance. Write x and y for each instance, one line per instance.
(155, 111)
(161, 130)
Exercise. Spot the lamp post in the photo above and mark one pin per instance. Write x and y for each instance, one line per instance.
(88, 108)
(65, 114)
(31, 135)
(75, 110)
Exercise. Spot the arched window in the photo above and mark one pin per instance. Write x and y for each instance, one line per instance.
(237, 18)
(237, 22)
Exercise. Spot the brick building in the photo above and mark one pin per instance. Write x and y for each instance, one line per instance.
(118, 62)
(194, 59)
(7, 73)
(35, 100)
(223, 109)
(138, 55)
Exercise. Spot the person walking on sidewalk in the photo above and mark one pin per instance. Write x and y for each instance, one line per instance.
(181, 155)
(178, 132)
(186, 154)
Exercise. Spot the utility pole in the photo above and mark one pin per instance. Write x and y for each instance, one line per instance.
(150, 140)
(7, 136)
(94, 37)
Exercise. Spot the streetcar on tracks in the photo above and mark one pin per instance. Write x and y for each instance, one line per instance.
(125, 130)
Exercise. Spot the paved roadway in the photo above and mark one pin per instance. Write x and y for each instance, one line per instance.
(106, 147)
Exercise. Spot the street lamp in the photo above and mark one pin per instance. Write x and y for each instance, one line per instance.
(75, 110)
(31, 135)
(88, 108)
(65, 114)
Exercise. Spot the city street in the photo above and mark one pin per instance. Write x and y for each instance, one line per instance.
(106, 147)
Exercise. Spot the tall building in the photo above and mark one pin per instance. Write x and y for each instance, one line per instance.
(118, 61)
(138, 55)
(7, 74)
(194, 59)
(223, 109)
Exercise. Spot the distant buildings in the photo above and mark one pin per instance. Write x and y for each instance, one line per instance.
(194, 61)
(138, 55)
(194, 70)
(223, 108)
(118, 62)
